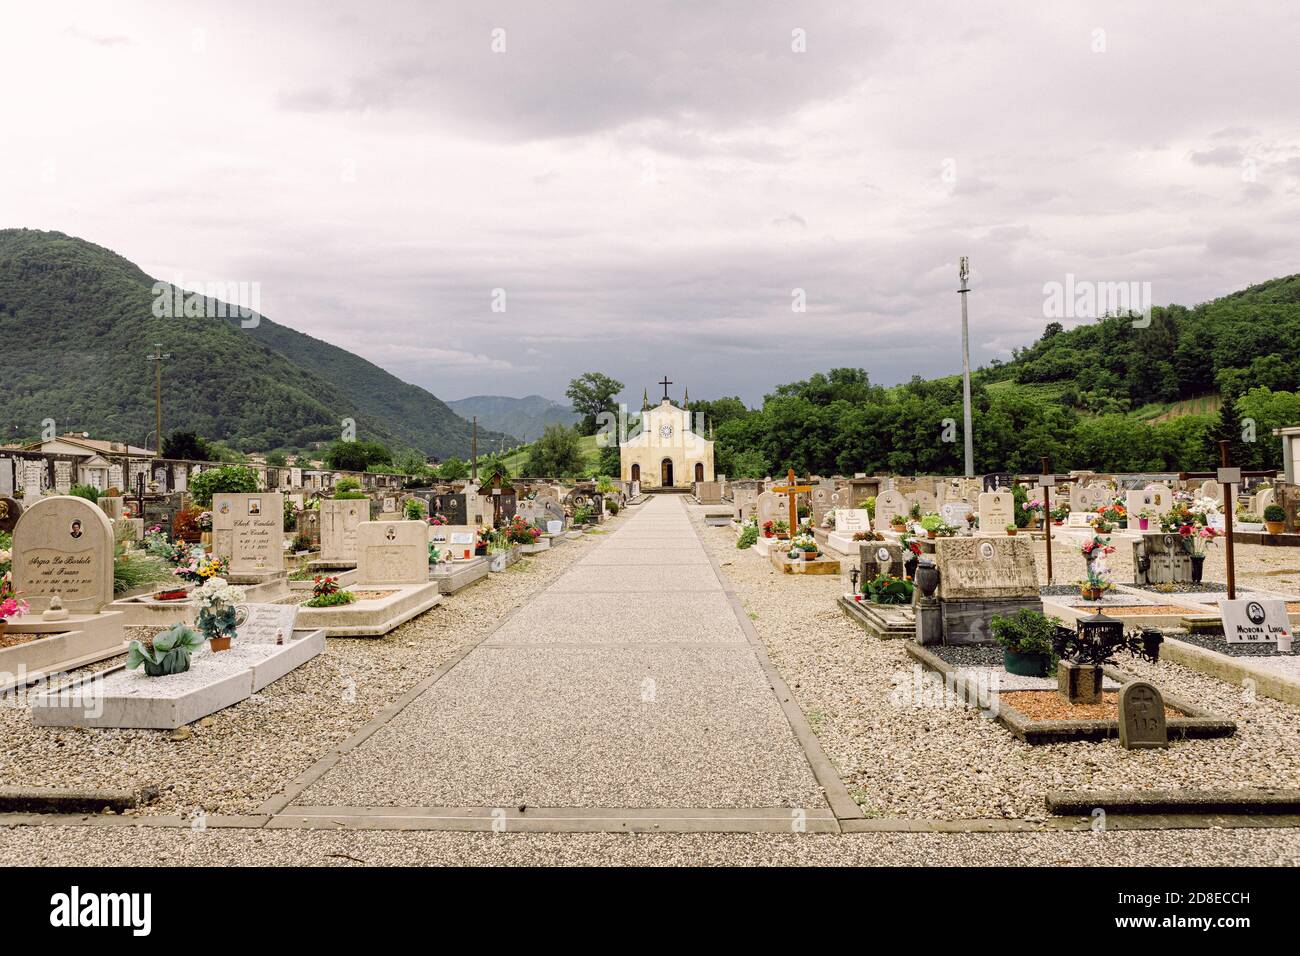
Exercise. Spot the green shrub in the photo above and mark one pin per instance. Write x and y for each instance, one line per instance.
(89, 492)
(228, 479)
(1025, 632)
(747, 537)
(348, 489)
(1274, 513)
(331, 600)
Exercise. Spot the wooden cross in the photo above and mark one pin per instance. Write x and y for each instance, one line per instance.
(793, 490)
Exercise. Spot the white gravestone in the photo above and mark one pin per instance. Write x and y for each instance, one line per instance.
(851, 520)
(456, 539)
(392, 552)
(954, 513)
(889, 503)
(266, 623)
(338, 528)
(996, 511)
(249, 530)
(64, 545)
(1252, 621)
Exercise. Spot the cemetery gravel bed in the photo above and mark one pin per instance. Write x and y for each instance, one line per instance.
(235, 759)
(899, 760)
(148, 846)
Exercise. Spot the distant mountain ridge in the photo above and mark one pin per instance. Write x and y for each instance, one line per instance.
(525, 418)
(77, 323)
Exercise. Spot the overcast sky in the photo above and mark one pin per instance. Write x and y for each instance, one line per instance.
(649, 182)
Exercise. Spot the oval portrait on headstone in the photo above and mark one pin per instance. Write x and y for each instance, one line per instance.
(75, 530)
(882, 555)
(1255, 611)
(241, 614)
(986, 550)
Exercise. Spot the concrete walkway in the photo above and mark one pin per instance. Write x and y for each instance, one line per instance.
(631, 693)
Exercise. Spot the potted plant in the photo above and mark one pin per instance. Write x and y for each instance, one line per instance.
(898, 523)
(216, 602)
(1144, 518)
(1026, 640)
(326, 592)
(1059, 514)
(931, 524)
(165, 653)
(803, 546)
(1275, 519)
(781, 528)
(1011, 530)
(10, 605)
(1094, 586)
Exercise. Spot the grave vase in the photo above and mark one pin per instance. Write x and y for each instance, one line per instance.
(1198, 568)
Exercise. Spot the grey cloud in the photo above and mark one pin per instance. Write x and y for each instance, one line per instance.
(1217, 156)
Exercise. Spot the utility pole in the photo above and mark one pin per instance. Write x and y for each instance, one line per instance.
(157, 359)
(963, 273)
(473, 451)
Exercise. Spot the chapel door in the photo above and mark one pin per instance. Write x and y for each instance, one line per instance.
(666, 473)
(699, 471)
(636, 472)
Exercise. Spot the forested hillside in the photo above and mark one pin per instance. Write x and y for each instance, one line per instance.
(1104, 395)
(77, 326)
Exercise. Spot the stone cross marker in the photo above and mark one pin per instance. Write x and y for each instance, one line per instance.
(1142, 721)
(338, 528)
(793, 491)
(64, 545)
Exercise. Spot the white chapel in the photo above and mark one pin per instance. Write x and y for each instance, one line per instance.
(666, 452)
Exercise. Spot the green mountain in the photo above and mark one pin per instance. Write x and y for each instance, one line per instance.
(78, 325)
(526, 418)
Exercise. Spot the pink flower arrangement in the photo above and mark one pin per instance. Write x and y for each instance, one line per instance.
(10, 605)
(1096, 547)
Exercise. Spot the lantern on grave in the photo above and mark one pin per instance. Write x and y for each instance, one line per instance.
(1100, 631)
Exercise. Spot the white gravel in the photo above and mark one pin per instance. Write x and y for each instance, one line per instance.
(234, 760)
(140, 846)
(900, 760)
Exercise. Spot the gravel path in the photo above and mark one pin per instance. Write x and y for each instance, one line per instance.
(136, 846)
(900, 760)
(597, 704)
(237, 758)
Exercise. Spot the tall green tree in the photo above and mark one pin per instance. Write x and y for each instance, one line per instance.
(592, 394)
(558, 453)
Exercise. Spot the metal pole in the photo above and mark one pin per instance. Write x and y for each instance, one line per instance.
(157, 396)
(1047, 518)
(1228, 506)
(473, 449)
(964, 273)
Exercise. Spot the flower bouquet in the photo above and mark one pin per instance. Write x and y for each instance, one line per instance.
(198, 568)
(804, 546)
(10, 604)
(217, 618)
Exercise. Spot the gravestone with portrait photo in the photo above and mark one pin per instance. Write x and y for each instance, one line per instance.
(248, 529)
(63, 545)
